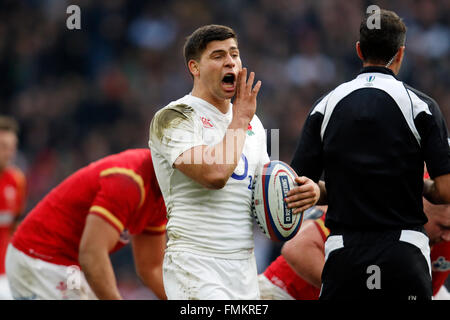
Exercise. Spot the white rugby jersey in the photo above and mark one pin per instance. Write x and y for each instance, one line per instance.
(204, 221)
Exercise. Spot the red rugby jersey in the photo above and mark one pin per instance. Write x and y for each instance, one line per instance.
(440, 260)
(121, 189)
(12, 202)
(440, 264)
(281, 274)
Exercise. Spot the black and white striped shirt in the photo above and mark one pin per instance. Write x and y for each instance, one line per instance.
(370, 137)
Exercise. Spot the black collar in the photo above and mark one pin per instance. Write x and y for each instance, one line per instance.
(377, 69)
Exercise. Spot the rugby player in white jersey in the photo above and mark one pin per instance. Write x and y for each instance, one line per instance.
(206, 152)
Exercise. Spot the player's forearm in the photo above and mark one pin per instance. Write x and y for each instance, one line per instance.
(323, 200)
(305, 253)
(212, 166)
(225, 156)
(312, 270)
(153, 279)
(308, 265)
(99, 274)
(437, 191)
(234, 139)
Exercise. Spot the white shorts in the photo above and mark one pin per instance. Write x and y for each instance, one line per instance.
(269, 291)
(189, 276)
(30, 278)
(5, 292)
(442, 294)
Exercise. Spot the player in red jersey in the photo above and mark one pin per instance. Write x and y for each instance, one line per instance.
(12, 193)
(298, 276)
(92, 213)
(438, 230)
(280, 282)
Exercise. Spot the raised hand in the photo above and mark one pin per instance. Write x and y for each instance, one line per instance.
(244, 105)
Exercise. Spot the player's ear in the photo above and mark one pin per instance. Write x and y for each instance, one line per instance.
(358, 50)
(194, 68)
(400, 54)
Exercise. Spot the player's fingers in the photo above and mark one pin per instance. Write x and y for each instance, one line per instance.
(301, 180)
(256, 88)
(307, 186)
(238, 83)
(301, 189)
(301, 196)
(250, 80)
(242, 83)
(302, 208)
(300, 203)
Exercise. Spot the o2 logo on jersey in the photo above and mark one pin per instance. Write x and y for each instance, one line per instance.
(245, 173)
(441, 265)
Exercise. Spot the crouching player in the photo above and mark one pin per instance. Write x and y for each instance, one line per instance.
(61, 249)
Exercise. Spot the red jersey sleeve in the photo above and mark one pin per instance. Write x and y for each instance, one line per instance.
(157, 225)
(117, 199)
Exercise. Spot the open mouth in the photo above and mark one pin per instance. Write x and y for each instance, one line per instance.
(229, 81)
(229, 78)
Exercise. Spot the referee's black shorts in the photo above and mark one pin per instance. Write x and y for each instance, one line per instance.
(377, 265)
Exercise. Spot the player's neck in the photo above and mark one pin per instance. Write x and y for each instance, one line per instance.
(392, 67)
(223, 105)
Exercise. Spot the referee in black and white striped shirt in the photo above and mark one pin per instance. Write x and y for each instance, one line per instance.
(370, 138)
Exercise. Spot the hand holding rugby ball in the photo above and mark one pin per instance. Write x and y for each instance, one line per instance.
(276, 220)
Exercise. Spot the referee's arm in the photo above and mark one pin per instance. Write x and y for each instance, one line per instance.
(435, 146)
(323, 200)
(437, 191)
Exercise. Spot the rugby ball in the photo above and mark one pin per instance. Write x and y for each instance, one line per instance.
(271, 185)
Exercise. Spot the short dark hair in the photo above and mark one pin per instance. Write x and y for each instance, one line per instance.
(9, 124)
(196, 43)
(379, 45)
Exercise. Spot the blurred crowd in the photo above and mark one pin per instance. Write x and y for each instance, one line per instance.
(82, 94)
